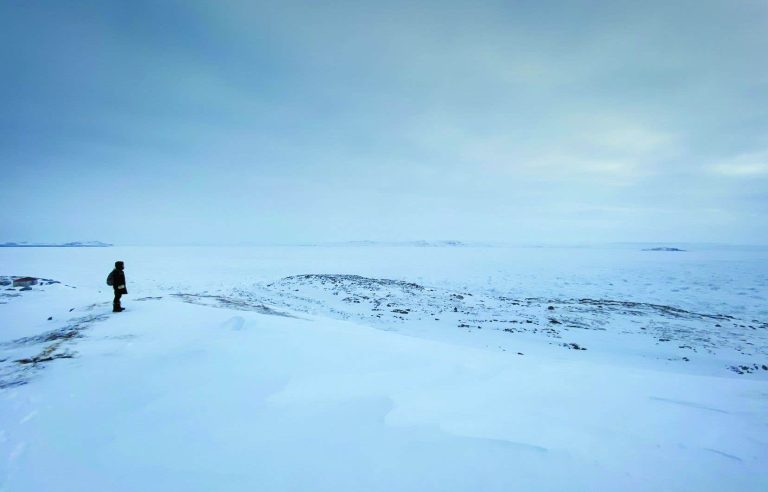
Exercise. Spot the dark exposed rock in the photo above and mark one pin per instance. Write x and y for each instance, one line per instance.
(639, 308)
(228, 302)
(46, 358)
(66, 333)
(338, 279)
(54, 346)
(386, 301)
(574, 346)
(746, 369)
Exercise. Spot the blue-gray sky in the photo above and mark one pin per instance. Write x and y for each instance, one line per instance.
(233, 121)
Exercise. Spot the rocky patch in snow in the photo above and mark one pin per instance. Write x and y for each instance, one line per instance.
(12, 285)
(21, 358)
(389, 303)
(225, 302)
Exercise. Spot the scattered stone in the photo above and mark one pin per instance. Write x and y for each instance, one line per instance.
(230, 303)
(24, 281)
(408, 302)
(50, 318)
(574, 346)
(743, 369)
(26, 288)
(46, 358)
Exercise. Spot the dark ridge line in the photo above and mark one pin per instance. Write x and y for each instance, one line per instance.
(659, 307)
(66, 333)
(339, 278)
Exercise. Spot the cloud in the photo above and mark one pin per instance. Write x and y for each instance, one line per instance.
(375, 109)
(605, 132)
(750, 165)
(609, 148)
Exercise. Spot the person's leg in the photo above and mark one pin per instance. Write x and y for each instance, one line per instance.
(116, 308)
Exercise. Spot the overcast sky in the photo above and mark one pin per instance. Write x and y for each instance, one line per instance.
(166, 122)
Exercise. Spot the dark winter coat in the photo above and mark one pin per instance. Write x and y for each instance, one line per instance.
(118, 281)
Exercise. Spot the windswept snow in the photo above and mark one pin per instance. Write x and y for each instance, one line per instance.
(454, 369)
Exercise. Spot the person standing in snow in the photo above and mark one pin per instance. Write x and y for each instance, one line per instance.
(117, 280)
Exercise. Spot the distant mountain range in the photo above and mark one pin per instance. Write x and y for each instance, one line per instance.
(76, 244)
(419, 243)
(664, 248)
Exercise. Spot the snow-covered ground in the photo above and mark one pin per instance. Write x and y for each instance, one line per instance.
(353, 368)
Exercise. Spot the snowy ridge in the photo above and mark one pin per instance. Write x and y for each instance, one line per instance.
(652, 331)
(23, 357)
(665, 331)
(238, 374)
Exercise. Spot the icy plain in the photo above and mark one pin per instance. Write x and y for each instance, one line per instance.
(366, 368)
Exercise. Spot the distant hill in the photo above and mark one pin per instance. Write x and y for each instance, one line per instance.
(663, 249)
(418, 243)
(75, 244)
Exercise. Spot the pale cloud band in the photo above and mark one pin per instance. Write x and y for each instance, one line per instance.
(750, 165)
(385, 120)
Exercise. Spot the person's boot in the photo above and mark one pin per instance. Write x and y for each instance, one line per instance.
(116, 308)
